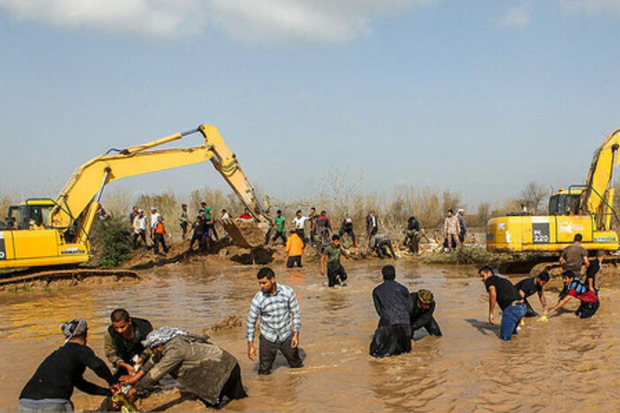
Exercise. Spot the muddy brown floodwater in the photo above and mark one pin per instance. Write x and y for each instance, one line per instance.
(565, 364)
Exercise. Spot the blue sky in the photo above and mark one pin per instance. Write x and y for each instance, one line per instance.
(478, 96)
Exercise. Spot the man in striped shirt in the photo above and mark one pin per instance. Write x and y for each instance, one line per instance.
(280, 322)
(575, 288)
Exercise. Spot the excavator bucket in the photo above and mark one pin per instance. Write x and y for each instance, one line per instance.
(246, 234)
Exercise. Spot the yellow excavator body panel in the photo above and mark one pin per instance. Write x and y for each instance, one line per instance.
(38, 247)
(552, 233)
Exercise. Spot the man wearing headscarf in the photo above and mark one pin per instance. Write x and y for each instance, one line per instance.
(51, 386)
(422, 313)
(393, 304)
(204, 368)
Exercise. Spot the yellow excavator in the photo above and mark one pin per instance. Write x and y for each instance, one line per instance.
(55, 232)
(580, 209)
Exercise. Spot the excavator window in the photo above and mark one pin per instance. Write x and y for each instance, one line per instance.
(564, 204)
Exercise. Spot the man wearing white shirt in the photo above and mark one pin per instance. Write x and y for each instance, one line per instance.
(299, 223)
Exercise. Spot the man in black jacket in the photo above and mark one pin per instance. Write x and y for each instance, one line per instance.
(122, 341)
(51, 386)
(393, 304)
(422, 313)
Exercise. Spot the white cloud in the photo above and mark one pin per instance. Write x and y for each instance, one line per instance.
(518, 17)
(254, 21)
(591, 6)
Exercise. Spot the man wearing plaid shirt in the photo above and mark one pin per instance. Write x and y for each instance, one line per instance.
(280, 322)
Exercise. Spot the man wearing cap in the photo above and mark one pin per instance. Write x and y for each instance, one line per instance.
(393, 305)
(422, 313)
(204, 368)
(122, 341)
(51, 386)
(502, 292)
(347, 228)
(159, 235)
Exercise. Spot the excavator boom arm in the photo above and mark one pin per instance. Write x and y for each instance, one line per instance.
(80, 193)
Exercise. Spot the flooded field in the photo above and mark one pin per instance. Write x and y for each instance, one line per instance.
(566, 364)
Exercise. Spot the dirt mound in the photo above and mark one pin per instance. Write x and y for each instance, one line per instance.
(229, 323)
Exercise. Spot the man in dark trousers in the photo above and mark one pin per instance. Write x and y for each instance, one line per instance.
(372, 225)
(422, 313)
(393, 304)
(529, 286)
(502, 292)
(574, 256)
(122, 341)
(575, 288)
(51, 386)
(593, 269)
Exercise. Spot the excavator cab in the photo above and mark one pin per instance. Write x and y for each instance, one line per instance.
(31, 214)
(565, 202)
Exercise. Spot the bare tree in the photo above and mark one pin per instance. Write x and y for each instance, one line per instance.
(532, 196)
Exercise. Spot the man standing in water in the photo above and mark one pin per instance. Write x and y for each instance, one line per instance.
(422, 313)
(393, 305)
(51, 386)
(330, 261)
(574, 256)
(575, 288)
(528, 286)
(280, 322)
(122, 341)
(502, 292)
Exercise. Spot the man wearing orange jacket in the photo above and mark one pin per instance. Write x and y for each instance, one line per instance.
(294, 249)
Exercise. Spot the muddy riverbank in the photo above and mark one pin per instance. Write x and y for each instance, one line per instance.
(566, 364)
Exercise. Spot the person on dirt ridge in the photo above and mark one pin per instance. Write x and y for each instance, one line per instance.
(133, 214)
(412, 235)
(382, 245)
(593, 269)
(574, 256)
(139, 229)
(312, 219)
(323, 227)
(184, 222)
(280, 322)
(422, 313)
(529, 286)
(154, 220)
(575, 288)
(159, 236)
(462, 228)
(451, 230)
(393, 305)
(52, 384)
(209, 220)
(246, 216)
(347, 228)
(299, 224)
(280, 227)
(207, 370)
(372, 225)
(502, 292)
(198, 233)
(330, 262)
(122, 341)
(294, 249)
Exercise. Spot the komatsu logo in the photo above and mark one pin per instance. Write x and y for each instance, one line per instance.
(73, 250)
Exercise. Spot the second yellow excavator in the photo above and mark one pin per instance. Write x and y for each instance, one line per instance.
(55, 232)
(580, 209)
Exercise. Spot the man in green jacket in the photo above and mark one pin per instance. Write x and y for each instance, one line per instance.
(204, 368)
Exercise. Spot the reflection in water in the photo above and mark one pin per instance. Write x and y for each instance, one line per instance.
(565, 364)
